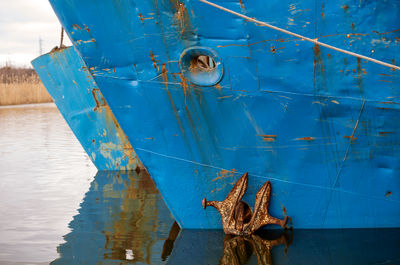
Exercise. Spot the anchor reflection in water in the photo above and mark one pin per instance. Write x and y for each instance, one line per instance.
(239, 249)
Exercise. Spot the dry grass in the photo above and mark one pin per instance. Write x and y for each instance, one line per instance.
(21, 86)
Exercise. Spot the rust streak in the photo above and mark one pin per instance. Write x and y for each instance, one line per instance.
(98, 99)
(318, 58)
(385, 133)
(224, 174)
(143, 18)
(164, 74)
(225, 97)
(385, 108)
(389, 103)
(85, 28)
(273, 49)
(352, 138)
(76, 26)
(181, 15)
(184, 84)
(154, 61)
(268, 137)
(383, 33)
(305, 139)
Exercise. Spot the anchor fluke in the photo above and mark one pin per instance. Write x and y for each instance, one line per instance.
(204, 203)
(237, 216)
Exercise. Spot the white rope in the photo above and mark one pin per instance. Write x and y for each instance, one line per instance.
(315, 41)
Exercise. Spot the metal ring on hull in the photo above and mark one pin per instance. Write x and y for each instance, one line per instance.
(201, 66)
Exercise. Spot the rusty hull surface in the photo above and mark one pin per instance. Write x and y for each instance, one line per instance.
(323, 127)
(84, 108)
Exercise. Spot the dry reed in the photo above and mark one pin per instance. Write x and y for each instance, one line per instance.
(21, 86)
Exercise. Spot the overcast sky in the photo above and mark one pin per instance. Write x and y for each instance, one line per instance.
(22, 24)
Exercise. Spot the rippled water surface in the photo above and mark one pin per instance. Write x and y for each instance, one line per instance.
(44, 174)
(56, 208)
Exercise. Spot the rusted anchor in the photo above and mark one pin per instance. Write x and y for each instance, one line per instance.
(237, 217)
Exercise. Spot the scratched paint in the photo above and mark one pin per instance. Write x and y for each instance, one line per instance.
(82, 105)
(325, 108)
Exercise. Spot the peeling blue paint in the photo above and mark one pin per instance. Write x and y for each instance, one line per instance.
(82, 105)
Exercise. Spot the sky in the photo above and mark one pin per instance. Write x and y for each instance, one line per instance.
(22, 24)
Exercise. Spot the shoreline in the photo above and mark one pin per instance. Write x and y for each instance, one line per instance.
(29, 105)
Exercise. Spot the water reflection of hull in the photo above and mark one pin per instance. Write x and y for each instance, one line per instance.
(122, 219)
(322, 126)
(364, 246)
(82, 105)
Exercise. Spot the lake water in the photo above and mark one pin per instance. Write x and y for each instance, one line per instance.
(56, 208)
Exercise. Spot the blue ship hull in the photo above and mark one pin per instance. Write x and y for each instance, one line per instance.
(322, 126)
(84, 108)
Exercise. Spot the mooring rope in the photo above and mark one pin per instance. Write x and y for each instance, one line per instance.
(315, 41)
(62, 37)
